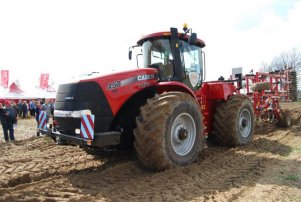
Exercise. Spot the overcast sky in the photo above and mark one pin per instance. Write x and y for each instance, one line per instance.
(66, 38)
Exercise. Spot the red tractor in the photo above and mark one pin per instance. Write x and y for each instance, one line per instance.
(164, 110)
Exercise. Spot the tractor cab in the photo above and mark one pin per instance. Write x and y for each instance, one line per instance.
(176, 56)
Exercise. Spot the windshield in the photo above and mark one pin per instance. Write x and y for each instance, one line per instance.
(191, 58)
(157, 54)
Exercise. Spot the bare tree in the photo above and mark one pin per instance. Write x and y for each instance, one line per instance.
(287, 59)
(265, 67)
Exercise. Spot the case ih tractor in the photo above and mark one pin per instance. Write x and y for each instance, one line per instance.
(164, 110)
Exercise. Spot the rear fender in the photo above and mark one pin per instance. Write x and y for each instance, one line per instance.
(218, 90)
(210, 96)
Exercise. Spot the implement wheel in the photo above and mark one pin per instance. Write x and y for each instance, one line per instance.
(234, 121)
(285, 119)
(169, 131)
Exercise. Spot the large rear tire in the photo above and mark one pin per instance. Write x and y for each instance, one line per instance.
(169, 131)
(234, 121)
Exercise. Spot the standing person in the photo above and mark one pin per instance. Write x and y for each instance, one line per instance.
(1, 113)
(8, 120)
(46, 108)
(15, 107)
(52, 108)
(32, 107)
(24, 109)
(37, 112)
(19, 111)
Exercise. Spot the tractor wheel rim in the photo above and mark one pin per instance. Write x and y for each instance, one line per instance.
(245, 123)
(183, 134)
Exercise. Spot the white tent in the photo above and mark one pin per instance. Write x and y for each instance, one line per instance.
(45, 94)
(14, 92)
(17, 96)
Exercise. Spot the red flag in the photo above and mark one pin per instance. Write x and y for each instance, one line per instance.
(44, 81)
(4, 78)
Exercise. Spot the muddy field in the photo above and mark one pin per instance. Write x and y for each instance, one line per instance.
(268, 169)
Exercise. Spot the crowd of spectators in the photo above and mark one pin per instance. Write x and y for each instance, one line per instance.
(26, 108)
(10, 112)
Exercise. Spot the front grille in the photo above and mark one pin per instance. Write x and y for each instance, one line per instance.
(81, 96)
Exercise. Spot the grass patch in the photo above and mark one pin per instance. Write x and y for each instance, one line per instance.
(291, 177)
(289, 151)
(293, 150)
(295, 198)
(296, 150)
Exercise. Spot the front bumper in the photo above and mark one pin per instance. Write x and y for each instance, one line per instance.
(100, 139)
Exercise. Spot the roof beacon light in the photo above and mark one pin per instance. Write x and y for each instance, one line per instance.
(185, 27)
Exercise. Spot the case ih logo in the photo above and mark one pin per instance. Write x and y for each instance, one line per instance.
(145, 77)
(142, 77)
(69, 98)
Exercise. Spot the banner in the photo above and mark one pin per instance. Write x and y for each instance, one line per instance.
(4, 78)
(44, 81)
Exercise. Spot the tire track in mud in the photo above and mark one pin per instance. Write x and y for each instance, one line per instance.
(128, 181)
(218, 170)
(31, 186)
(41, 158)
(63, 173)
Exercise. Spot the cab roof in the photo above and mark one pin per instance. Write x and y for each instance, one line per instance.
(166, 35)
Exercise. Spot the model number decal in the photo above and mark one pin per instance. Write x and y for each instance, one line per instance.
(113, 85)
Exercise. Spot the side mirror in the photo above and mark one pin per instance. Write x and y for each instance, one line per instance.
(130, 54)
(192, 40)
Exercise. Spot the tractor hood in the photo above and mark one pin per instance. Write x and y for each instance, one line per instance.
(117, 88)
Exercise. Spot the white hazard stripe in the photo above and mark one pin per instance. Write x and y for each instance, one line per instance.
(42, 120)
(87, 126)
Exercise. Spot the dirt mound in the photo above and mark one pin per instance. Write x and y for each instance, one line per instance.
(35, 169)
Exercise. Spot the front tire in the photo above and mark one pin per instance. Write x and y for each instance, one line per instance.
(234, 121)
(169, 131)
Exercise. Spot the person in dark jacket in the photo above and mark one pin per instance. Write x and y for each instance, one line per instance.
(20, 105)
(1, 112)
(32, 108)
(37, 112)
(52, 107)
(1, 109)
(24, 109)
(8, 120)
